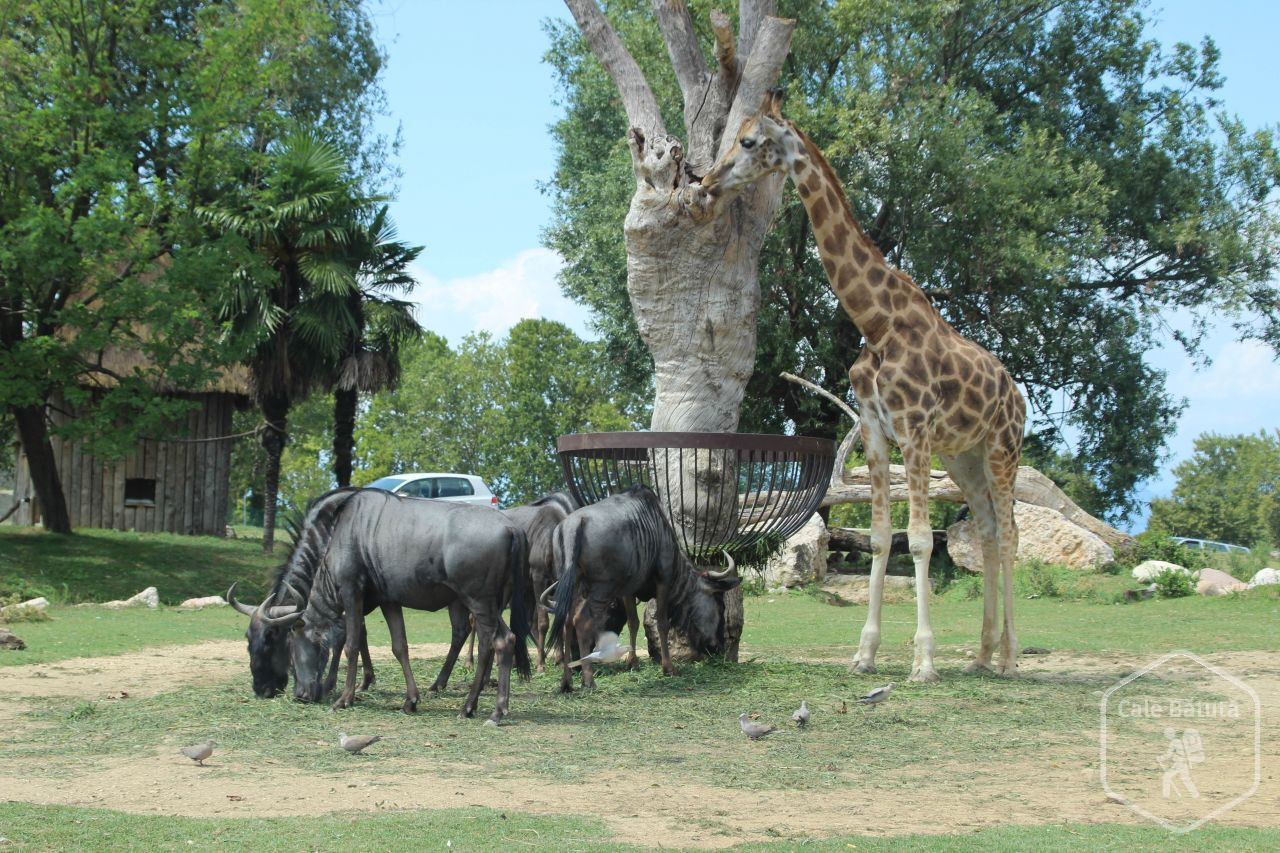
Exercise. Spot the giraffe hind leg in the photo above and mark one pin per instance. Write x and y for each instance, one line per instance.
(970, 472)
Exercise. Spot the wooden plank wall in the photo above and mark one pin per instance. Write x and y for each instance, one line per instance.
(191, 476)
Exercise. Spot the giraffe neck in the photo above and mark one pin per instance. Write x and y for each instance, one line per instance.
(868, 288)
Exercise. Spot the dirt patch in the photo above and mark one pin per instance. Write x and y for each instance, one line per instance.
(942, 798)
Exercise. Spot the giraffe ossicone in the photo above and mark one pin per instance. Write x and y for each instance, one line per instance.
(920, 384)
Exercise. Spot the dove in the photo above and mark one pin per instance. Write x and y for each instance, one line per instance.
(199, 752)
(875, 697)
(755, 731)
(801, 716)
(356, 743)
(607, 651)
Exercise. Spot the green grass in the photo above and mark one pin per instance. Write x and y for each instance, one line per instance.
(59, 828)
(101, 565)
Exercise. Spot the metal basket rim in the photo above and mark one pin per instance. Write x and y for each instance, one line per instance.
(766, 442)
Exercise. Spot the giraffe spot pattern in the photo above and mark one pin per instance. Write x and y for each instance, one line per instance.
(818, 212)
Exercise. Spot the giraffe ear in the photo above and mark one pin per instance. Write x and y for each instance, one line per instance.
(773, 104)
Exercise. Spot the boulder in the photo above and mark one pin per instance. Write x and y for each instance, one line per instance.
(9, 641)
(207, 601)
(1043, 534)
(803, 558)
(37, 604)
(1214, 582)
(1265, 577)
(1146, 572)
(147, 598)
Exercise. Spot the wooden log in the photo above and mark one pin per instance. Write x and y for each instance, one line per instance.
(848, 539)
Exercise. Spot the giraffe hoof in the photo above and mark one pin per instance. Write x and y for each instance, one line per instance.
(1007, 671)
(976, 668)
(864, 668)
(924, 675)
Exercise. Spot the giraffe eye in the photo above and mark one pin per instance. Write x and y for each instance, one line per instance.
(748, 143)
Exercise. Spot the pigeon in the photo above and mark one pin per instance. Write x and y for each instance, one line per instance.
(801, 716)
(357, 742)
(607, 651)
(199, 752)
(875, 697)
(755, 731)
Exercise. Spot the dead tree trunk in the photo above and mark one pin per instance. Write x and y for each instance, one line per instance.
(692, 258)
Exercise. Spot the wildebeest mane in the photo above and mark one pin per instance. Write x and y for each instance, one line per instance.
(309, 537)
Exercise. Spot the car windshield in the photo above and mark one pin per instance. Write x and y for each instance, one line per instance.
(385, 483)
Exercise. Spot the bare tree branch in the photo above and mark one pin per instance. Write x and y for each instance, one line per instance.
(637, 97)
(760, 73)
(686, 57)
(751, 15)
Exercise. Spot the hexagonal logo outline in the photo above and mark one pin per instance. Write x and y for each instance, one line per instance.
(1257, 740)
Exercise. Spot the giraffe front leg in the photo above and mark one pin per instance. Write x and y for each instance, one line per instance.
(877, 450)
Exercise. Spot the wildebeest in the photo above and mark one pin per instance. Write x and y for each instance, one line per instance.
(538, 520)
(624, 547)
(395, 552)
(268, 642)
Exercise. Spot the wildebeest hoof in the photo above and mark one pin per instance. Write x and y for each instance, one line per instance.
(410, 707)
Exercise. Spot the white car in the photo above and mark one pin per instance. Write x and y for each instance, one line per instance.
(442, 487)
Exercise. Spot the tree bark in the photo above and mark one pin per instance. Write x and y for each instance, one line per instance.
(692, 258)
(33, 433)
(344, 426)
(275, 410)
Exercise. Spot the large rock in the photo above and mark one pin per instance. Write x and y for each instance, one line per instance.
(35, 604)
(1043, 534)
(1265, 577)
(206, 601)
(803, 558)
(1214, 582)
(9, 641)
(147, 598)
(1146, 572)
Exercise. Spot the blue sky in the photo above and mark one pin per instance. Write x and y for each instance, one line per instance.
(467, 85)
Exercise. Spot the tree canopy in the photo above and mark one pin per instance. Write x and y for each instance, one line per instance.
(1229, 491)
(1055, 180)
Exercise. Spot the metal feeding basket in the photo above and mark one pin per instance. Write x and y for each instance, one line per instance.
(739, 492)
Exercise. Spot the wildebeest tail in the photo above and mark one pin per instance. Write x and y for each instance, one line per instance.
(519, 613)
(567, 556)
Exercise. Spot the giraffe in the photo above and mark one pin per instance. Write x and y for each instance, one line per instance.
(920, 383)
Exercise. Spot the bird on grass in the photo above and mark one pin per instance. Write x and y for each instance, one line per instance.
(199, 752)
(355, 743)
(801, 715)
(875, 697)
(607, 651)
(754, 731)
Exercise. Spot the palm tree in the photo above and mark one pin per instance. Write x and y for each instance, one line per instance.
(371, 361)
(290, 233)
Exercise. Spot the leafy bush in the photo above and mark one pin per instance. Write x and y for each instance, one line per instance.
(20, 614)
(1172, 583)
(1155, 545)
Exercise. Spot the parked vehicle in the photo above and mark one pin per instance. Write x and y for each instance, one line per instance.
(466, 488)
(1208, 545)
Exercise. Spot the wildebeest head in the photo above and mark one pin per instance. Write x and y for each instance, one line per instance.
(268, 644)
(700, 612)
(312, 645)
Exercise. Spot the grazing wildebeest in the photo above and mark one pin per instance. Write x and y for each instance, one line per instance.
(538, 520)
(624, 547)
(394, 552)
(269, 643)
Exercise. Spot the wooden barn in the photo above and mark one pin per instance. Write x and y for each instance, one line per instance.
(175, 483)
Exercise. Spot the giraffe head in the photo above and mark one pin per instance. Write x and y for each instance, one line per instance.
(766, 143)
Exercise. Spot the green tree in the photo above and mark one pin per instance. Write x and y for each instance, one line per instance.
(1229, 490)
(286, 236)
(1053, 178)
(494, 408)
(116, 119)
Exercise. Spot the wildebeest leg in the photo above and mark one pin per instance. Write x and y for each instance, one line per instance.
(540, 625)
(661, 614)
(633, 625)
(585, 627)
(353, 613)
(566, 674)
(400, 648)
(471, 649)
(460, 627)
(504, 646)
(484, 633)
(365, 661)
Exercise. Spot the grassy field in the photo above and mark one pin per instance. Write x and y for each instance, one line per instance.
(635, 726)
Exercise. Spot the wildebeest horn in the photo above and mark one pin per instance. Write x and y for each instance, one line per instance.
(548, 604)
(293, 593)
(723, 573)
(243, 608)
(268, 614)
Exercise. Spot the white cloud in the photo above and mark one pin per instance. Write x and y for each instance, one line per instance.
(494, 301)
